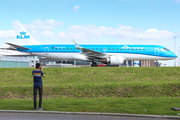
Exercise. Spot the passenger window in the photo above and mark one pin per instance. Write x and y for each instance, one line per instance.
(143, 49)
(117, 48)
(132, 49)
(71, 48)
(100, 48)
(56, 48)
(52, 48)
(92, 48)
(96, 49)
(128, 49)
(74, 48)
(67, 48)
(113, 48)
(121, 49)
(124, 49)
(104, 48)
(109, 49)
(139, 49)
(136, 49)
(59, 48)
(166, 49)
(63, 48)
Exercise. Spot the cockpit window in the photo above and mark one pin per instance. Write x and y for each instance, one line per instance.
(166, 49)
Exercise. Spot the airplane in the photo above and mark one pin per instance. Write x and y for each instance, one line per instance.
(107, 54)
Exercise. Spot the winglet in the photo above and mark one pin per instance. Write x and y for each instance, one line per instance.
(77, 46)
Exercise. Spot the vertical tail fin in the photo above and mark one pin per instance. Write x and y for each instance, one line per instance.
(22, 35)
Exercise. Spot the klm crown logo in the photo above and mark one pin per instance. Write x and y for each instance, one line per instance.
(125, 47)
(23, 36)
(22, 33)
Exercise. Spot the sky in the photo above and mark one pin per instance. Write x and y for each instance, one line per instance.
(149, 22)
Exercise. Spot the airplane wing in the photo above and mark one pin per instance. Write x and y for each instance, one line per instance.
(90, 53)
(17, 46)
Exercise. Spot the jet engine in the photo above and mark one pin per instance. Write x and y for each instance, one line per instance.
(113, 60)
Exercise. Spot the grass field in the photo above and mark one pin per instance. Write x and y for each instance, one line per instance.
(153, 106)
(95, 84)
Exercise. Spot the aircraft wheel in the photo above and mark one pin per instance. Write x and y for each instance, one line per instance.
(94, 64)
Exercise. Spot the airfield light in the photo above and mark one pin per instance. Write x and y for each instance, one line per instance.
(175, 50)
(178, 56)
(141, 41)
(141, 60)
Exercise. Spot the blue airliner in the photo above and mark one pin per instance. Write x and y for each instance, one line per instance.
(107, 54)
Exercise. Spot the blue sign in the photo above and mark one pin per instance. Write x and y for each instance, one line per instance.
(137, 63)
(23, 36)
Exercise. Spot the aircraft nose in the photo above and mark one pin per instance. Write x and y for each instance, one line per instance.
(174, 55)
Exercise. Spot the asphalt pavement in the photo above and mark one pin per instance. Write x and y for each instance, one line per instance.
(47, 116)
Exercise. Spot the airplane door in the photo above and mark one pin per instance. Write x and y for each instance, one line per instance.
(104, 50)
(156, 51)
(46, 50)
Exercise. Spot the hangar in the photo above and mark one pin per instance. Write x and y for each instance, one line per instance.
(17, 62)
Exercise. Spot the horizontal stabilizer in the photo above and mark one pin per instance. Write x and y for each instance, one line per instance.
(17, 46)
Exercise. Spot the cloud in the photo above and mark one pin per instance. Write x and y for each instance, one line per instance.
(47, 33)
(76, 7)
(121, 32)
(177, 0)
(34, 32)
(43, 25)
(7, 34)
(5, 45)
(62, 34)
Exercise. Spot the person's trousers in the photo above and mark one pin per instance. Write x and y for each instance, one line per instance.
(35, 95)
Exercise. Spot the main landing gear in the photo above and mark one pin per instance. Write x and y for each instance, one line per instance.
(94, 64)
(157, 64)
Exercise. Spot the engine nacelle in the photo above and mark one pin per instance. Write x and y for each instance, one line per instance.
(113, 60)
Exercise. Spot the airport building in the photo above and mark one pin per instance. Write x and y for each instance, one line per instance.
(127, 63)
(30, 61)
(147, 63)
(18, 59)
(17, 62)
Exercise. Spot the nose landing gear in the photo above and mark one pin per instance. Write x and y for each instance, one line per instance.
(94, 64)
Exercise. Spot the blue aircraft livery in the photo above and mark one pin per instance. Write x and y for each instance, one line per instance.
(107, 54)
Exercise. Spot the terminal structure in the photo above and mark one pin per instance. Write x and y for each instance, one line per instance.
(11, 58)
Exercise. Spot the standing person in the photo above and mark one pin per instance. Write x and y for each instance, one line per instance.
(38, 85)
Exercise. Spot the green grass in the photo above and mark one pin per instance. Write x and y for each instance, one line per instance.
(99, 76)
(117, 90)
(92, 82)
(153, 106)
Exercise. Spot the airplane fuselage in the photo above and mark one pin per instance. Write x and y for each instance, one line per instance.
(129, 52)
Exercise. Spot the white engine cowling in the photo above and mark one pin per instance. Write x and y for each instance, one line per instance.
(113, 60)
